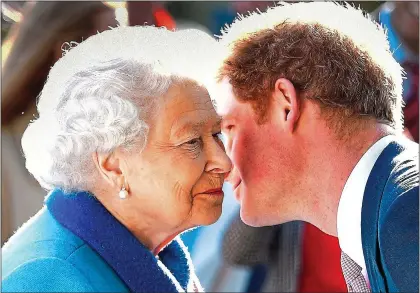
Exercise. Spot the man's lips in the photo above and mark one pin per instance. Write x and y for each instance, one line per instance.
(236, 192)
(236, 184)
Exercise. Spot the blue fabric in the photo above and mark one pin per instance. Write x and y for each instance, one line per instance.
(213, 272)
(256, 281)
(390, 220)
(395, 44)
(220, 18)
(76, 245)
(400, 53)
(190, 237)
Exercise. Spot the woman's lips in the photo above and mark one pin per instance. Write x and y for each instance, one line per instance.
(215, 191)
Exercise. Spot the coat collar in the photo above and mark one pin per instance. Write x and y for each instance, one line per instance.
(390, 175)
(85, 216)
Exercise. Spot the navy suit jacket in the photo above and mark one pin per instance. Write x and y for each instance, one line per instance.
(390, 219)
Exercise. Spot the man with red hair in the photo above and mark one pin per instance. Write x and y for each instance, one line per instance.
(311, 100)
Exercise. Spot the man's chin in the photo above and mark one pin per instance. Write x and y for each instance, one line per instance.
(252, 217)
(259, 216)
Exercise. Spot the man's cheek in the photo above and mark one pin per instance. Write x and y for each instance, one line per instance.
(242, 154)
(227, 141)
(251, 157)
(237, 151)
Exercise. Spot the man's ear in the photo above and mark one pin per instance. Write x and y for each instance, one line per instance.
(108, 166)
(286, 103)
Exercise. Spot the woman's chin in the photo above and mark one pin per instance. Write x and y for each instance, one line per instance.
(209, 216)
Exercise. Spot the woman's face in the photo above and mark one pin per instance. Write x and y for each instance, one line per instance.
(177, 178)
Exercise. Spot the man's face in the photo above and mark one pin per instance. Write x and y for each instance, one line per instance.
(263, 172)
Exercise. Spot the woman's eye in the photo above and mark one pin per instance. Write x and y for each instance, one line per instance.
(193, 142)
(193, 147)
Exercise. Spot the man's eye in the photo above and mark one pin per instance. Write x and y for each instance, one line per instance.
(228, 127)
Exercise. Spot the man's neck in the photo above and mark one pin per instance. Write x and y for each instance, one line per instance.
(335, 161)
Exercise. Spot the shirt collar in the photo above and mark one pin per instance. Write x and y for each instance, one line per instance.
(141, 271)
(350, 207)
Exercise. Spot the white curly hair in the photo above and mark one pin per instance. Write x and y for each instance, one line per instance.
(100, 95)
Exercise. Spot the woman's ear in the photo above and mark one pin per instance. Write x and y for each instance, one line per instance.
(286, 102)
(108, 166)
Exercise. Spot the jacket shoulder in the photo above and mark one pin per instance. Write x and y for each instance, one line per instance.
(399, 222)
(49, 258)
(40, 237)
(47, 274)
(404, 175)
(398, 240)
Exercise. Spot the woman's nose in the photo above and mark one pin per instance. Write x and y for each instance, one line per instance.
(218, 161)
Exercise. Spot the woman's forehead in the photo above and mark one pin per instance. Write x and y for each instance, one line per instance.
(184, 98)
(187, 107)
(189, 124)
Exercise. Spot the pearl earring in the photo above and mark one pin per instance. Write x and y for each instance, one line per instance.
(123, 193)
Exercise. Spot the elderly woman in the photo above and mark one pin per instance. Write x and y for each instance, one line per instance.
(127, 141)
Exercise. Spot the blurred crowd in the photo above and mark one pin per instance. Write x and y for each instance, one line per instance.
(228, 256)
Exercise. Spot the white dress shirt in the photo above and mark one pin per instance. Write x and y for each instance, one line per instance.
(350, 207)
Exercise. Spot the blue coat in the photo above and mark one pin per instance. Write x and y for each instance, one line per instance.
(390, 220)
(75, 245)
